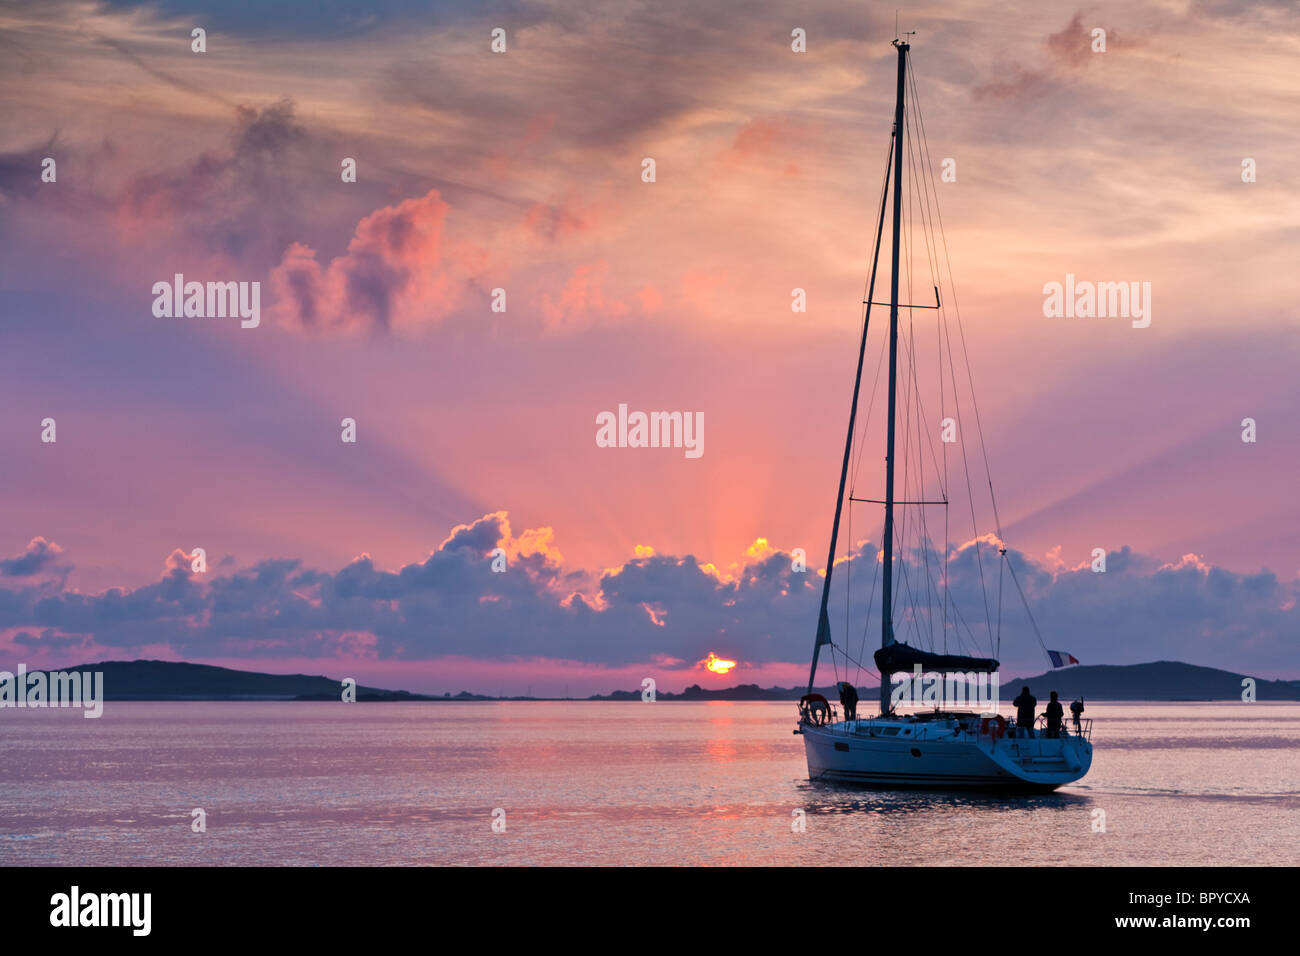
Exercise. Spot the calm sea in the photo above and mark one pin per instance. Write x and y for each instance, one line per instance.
(611, 783)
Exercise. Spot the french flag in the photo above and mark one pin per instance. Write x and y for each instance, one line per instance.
(1062, 659)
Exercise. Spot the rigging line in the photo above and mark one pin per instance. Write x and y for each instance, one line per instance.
(866, 618)
(920, 526)
(911, 358)
(930, 189)
(928, 195)
(907, 523)
(912, 349)
(871, 603)
(939, 590)
(898, 549)
(914, 399)
(960, 622)
(1001, 565)
(915, 491)
(927, 183)
(904, 597)
(871, 404)
(915, 454)
(970, 496)
(823, 616)
(848, 578)
(952, 288)
(915, 534)
(933, 597)
(1025, 601)
(922, 199)
(909, 591)
(868, 294)
(943, 414)
(911, 604)
(971, 383)
(861, 667)
(932, 590)
(912, 461)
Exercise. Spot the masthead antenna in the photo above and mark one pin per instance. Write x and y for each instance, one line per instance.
(898, 37)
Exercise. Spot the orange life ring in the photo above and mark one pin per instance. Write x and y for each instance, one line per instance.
(998, 726)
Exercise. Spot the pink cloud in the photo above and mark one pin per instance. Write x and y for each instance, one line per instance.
(761, 146)
(583, 297)
(398, 271)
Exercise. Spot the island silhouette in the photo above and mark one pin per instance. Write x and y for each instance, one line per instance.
(1154, 681)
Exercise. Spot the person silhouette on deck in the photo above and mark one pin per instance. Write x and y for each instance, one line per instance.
(1025, 704)
(1055, 713)
(849, 700)
(1076, 709)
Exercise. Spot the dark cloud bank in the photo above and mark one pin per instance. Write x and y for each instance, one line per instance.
(656, 608)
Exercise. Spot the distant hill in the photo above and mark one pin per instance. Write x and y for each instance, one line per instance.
(739, 692)
(1160, 680)
(174, 680)
(1157, 681)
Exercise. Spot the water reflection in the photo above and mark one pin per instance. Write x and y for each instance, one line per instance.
(822, 797)
(723, 751)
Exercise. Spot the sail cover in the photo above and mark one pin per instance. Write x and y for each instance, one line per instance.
(896, 657)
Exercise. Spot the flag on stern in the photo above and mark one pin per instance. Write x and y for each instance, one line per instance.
(1061, 659)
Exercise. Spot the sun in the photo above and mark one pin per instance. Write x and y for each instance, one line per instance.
(717, 664)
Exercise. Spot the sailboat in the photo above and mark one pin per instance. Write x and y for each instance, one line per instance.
(935, 746)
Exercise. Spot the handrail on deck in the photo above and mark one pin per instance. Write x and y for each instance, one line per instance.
(1068, 728)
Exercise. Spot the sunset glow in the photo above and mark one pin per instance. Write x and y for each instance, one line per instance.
(717, 664)
(497, 239)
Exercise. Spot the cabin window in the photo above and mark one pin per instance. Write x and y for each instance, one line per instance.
(841, 746)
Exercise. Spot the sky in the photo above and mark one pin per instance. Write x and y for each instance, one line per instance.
(476, 429)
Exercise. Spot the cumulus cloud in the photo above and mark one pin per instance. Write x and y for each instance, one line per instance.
(39, 556)
(397, 271)
(658, 607)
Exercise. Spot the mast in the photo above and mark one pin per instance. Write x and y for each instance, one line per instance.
(887, 576)
(823, 619)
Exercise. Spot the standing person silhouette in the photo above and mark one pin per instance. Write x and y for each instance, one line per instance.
(849, 700)
(1076, 709)
(1055, 713)
(1025, 704)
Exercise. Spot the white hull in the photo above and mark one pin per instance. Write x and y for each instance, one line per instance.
(939, 753)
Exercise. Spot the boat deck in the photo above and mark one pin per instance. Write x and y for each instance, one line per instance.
(946, 725)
